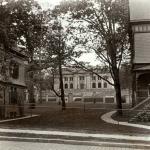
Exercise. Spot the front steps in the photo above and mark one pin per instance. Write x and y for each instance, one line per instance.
(141, 112)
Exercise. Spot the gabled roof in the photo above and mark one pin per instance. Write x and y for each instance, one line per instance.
(18, 52)
(15, 50)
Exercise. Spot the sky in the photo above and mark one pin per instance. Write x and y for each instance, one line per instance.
(47, 3)
(88, 57)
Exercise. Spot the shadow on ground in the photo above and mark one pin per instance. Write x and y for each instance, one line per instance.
(72, 119)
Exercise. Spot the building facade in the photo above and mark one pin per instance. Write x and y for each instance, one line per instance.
(140, 22)
(83, 86)
(12, 82)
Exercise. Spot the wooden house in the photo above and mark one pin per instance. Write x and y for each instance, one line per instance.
(12, 82)
(140, 22)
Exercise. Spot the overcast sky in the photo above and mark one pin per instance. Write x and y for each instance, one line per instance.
(85, 57)
(48, 3)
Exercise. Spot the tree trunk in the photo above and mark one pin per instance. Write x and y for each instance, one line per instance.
(62, 87)
(133, 89)
(131, 40)
(118, 98)
(31, 91)
(40, 99)
(118, 91)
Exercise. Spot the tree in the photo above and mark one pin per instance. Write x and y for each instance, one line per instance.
(126, 76)
(27, 21)
(60, 49)
(57, 52)
(4, 34)
(106, 24)
(20, 24)
(4, 48)
(4, 24)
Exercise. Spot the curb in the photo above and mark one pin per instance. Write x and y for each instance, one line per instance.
(20, 118)
(108, 119)
(76, 135)
(119, 144)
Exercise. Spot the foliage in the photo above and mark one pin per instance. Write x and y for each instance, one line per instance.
(26, 24)
(105, 24)
(142, 116)
(60, 48)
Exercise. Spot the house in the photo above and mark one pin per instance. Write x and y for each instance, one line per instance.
(84, 86)
(12, 82)
(140, 22)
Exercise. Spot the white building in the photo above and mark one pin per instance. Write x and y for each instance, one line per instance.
(83, 86)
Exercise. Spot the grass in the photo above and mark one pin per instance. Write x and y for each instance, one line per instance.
(72, 119)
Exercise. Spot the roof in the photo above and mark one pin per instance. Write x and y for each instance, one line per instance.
(142, 47)
(17, 50)
(139, 10)
(77, 70)
(5, 83)
(145, 68)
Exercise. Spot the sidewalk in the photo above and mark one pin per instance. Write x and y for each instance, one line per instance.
(125, 133)
(78, 137)
(8, 145)
(75, 138)
(76, 134)
(108, 119)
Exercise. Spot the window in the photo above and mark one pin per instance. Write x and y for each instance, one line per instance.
(78, 99)
(109, 100)
(81, 86)
(66, 86)
(123, 99)
(13, 96)
(99, 78)
(81, 77)
(99, 100)
(99, 85)
(66, 78)
(14, 70)
(93, 85)
(71, 86)
(93, 77)
(105, 85)
(71, 78)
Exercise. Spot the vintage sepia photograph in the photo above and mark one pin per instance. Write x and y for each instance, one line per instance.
(74, 74)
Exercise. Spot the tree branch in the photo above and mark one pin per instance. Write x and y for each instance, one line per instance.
(52, 88)
(90, 70)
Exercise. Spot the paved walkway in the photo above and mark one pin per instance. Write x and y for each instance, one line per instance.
(75, 134)
(8, 145)
(108, 118)
(20, 118)
(133, 140)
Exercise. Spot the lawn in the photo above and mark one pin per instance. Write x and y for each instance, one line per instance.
(72, 119)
